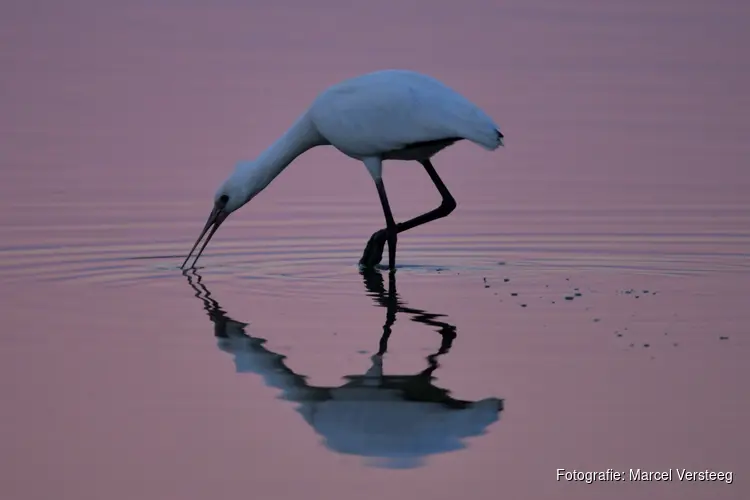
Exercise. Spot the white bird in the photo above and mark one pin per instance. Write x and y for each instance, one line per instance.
(384, 115)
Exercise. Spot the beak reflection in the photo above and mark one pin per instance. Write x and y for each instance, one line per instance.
(218, 215)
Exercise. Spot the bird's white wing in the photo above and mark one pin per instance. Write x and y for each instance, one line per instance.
(389, 110)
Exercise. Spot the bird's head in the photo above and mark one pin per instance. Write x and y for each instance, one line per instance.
(234, 192)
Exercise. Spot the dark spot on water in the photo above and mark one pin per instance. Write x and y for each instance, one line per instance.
(569, 297)
(523, 305)
(514, 294)
(578, 294)
(506, 280)
(675, 344)
(361, 352)
(501, 263)
(619, 334)
(646, 345)
(723, 338)
(632, 345)
(597, 320)
(637, 296)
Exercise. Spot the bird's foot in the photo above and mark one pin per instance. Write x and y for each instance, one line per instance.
(373, 253)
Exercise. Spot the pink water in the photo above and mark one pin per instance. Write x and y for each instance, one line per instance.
(624, 179)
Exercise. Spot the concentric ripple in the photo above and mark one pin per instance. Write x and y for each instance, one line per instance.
(317, 261)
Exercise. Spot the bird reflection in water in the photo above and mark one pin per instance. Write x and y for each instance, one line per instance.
(395, 421)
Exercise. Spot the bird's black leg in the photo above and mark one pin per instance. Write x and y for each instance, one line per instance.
(374, 250)
(391, 233)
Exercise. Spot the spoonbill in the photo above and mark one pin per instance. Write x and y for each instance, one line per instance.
(384, 115)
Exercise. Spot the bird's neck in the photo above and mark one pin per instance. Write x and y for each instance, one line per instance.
(300, 137)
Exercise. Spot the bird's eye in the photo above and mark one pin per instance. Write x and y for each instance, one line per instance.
(223, 199)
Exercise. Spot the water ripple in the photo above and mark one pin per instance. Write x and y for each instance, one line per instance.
(307, 260)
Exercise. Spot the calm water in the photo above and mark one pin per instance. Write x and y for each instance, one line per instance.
(584, 308)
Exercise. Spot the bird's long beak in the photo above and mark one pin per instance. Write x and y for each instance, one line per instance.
(218, 215)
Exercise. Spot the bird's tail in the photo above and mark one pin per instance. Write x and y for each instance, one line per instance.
(479, 128)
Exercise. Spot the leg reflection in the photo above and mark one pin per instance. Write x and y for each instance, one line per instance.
(390, 300)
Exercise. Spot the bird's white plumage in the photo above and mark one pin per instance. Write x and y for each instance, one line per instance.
(372, 117)
(376, 113)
